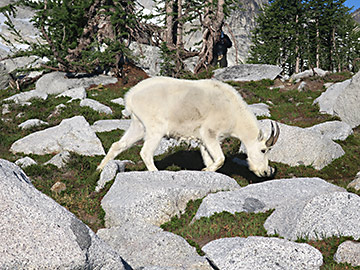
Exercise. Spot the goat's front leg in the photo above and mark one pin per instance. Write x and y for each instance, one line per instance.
(134, 133)
(207, 159)
(215, 151)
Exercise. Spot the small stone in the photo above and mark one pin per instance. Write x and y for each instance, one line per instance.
(348, 252)
(32, 123)
(119, 101)
(25, 162)
(58, 187)
(355, 184)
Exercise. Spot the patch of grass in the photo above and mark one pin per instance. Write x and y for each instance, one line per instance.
(108, 138)
(338, 77)
(105, 94)
(289, 107)
(133, 153)
(40, 109)
(80, 178)
(199, 232)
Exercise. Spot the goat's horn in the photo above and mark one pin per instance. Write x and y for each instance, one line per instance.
(275, 132)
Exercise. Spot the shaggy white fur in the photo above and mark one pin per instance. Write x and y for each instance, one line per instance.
(204, 110)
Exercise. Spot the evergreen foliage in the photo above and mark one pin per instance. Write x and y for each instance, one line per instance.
(82, 35)
(302, 34)
(167, 66)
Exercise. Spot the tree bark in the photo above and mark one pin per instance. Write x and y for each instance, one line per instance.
(169, 9)
(211, 23)
(317, 44)
(297, 63)
(180, 26)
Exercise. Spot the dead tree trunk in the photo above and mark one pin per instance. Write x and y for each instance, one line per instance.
(211, 22)
(169, 34)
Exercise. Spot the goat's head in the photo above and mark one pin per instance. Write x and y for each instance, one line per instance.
(257, 152)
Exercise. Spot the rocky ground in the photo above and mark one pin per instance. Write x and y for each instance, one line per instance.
(39, 233)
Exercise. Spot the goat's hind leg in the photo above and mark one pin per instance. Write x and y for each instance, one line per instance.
(147, 152)
(134, 134)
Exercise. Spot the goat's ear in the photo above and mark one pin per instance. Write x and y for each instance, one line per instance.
(260, 136)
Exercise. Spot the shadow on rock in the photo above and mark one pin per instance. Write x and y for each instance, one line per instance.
(192, 160)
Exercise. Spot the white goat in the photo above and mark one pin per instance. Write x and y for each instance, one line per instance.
(204, 110)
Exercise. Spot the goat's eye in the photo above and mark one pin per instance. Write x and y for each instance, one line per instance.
(263, 151)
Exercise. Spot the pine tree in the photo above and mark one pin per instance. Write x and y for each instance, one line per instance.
(278, 38)
(299, 34)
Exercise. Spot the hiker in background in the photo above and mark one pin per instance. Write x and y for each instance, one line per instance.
(220, 50)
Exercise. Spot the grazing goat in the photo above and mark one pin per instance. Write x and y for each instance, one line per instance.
(204, 110)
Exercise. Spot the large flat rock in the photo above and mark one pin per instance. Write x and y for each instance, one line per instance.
(347, 104)
(146, 245)
(38, 233)
(264, 196)
(333, 130)
(327, 99)
(155, 197)
(73, 135)
(326, 215)
(247, 72)
(262, 253)
(57, 82)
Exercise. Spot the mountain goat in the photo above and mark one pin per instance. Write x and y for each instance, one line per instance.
(204, 110)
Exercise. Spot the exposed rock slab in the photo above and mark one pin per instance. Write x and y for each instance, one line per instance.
(347, 104)
(260, 109)
(60, 160)
(32, 123)
(25, 162)
(148, 57)
(73, 135)
(109, 172)
(23, 62)
(298, 146)
(22, 21)
(326, 215)
(155, 197)
(247, 72)
(328, 98)
(119, 101)
(264, 196)
(111, 124)
(355, 183)
(95, 105)
(348, 252)
(241, 23)
(57, 82)
(146, 245)
(333, 130)
(309, 73)
(24, 97)
(262, 253)
(38, 233)
(4, 77)
(74, 93)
